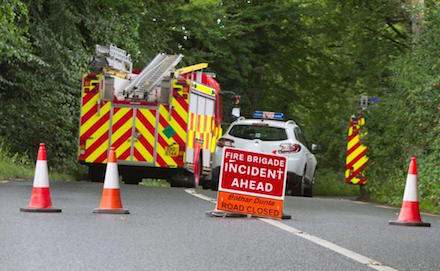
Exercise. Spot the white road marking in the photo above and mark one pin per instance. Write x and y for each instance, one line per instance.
(314, 239)
(200, 196)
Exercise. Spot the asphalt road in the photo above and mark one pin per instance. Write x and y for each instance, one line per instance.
(168, 230)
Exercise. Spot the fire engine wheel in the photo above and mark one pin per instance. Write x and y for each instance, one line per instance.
(131, 179)
(96, 173)
(175, 183)
(206, 184)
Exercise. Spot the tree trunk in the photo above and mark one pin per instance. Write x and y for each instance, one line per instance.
(417, 19)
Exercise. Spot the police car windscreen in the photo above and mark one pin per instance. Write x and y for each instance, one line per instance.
(265, 133)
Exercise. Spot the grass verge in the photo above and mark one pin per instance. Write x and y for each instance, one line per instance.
(154, 183)
(330, 184)
(15, 166)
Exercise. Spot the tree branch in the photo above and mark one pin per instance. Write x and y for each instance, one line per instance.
(391, 25)
(388, 38)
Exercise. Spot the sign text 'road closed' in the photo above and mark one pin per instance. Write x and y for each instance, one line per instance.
(252, 183)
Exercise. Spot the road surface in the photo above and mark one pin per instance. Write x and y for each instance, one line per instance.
(168, 230)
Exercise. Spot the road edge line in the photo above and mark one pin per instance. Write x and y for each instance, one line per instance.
(314, 239)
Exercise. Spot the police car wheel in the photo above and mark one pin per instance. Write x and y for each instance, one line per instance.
(308, 191)
(296, 186)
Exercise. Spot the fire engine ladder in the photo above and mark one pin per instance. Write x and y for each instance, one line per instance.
(112, 57)
(152, 75)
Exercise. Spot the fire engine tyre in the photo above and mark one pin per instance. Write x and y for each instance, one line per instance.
(215, 178)
(96, 174)
(175, 183)
(131, 179)
(206, 184)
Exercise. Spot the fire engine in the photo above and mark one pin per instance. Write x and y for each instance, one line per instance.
(163, 121)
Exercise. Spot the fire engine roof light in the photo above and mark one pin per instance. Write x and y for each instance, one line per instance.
(268, 115)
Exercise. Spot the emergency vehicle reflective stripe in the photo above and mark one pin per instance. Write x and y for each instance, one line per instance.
(356, 153)
(172, 132)
(192, 129)
(145, 127)
(94, 122)
(122, 123)
(133, 130)
(203, 130)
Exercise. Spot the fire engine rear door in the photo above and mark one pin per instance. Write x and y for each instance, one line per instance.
(144, 136)
(122, 132)
(133, 134)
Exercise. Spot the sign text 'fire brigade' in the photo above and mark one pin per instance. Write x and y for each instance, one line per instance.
(252, 183)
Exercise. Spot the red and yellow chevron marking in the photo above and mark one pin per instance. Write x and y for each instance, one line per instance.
(173, 123)
(145, 127)
(94, 121)
(192, 129)
(202, 127)
(216, 135)
(177, 124)
(122, 124)
(356, 153)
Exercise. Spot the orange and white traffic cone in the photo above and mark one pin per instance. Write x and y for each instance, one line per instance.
(410, 213)
(111, 199)
(40, 199)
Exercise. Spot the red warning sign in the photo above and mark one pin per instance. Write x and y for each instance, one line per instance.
(252, 183)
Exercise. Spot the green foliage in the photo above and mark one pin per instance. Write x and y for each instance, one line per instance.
(19, 166)
(40, 99)
(308, 59)
(406, 123)
(14, 23)
(154, 183)
(330, 183)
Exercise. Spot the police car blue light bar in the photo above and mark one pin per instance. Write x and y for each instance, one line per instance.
(268, 115)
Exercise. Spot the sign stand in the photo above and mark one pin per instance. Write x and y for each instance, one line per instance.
(217, 213)
(251, 184)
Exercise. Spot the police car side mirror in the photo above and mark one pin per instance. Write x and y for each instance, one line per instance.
(315, 148)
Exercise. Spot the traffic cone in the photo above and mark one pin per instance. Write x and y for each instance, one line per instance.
(410, 213)
(40, 198)
(111, 199)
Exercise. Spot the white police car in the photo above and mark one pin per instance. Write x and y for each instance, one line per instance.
(267, 132)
